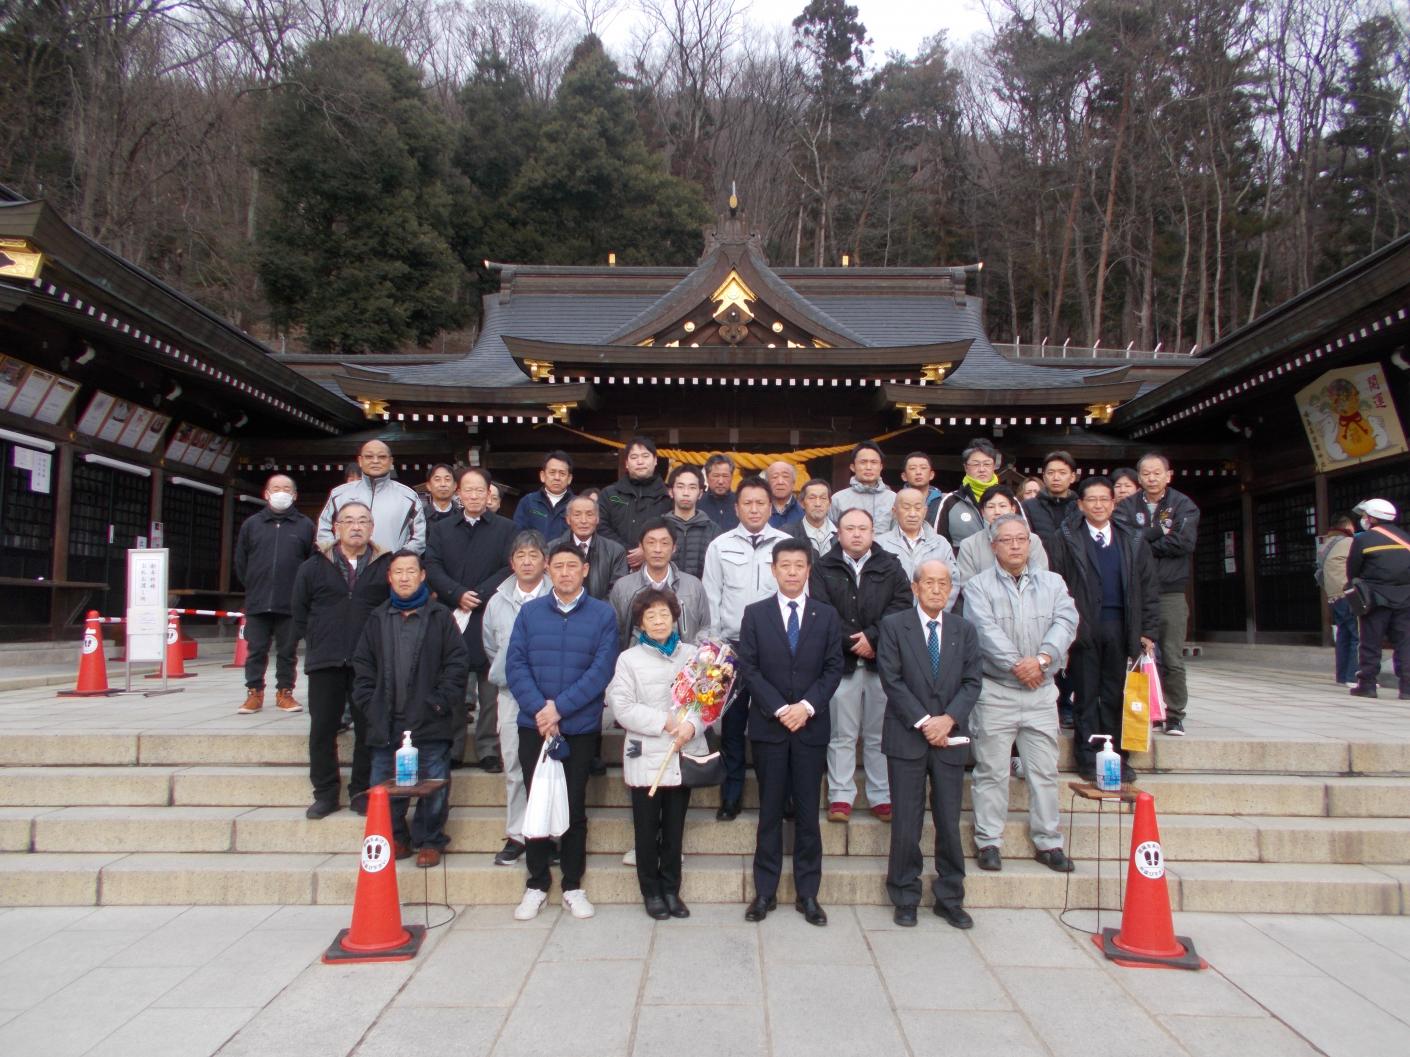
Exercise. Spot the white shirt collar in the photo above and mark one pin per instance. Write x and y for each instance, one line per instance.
(1102, 534)
(783, 609)
(666, 582)
(925, 620)
(580, 543)
(568, 607)
(856, 563)
(532, 593)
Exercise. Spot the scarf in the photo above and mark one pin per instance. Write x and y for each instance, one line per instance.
(977, 488)
(667, 648)
(416, 601)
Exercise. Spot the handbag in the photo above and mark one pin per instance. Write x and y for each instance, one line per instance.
(1157, 694)
(1135, 715)
(700, 771)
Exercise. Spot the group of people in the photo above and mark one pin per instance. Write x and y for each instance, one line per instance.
(927, 628)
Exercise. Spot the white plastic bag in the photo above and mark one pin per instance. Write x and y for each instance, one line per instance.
(547, 812)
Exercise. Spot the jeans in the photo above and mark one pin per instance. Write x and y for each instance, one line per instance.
(1347, 638)
(428, 824)
(262, 630)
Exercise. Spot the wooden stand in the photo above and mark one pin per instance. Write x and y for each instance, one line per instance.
(1122, 799)
(425, 787)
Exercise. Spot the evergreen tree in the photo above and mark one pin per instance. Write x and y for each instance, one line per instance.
(353, 245)
(592, 187)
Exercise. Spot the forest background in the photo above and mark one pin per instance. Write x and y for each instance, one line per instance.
(332, 175)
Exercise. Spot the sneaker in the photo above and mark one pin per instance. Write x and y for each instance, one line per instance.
(839, 812)
(509, 854)
(1174, 728)
(284, 701)
(882, 811)
(254, 701)
(530, 905)
(629, 859)
(1017, 767)
(576, 903)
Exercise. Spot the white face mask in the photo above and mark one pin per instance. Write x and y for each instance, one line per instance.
(280, 501)
(1365, 524)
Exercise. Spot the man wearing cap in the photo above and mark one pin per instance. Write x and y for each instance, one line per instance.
(1380, 556)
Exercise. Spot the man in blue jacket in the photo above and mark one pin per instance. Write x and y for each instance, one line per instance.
(562, 654)
(546, 510)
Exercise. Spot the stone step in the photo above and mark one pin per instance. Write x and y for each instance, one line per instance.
(282, 740)
(1207, 838)
(157, 878)
(287, 786)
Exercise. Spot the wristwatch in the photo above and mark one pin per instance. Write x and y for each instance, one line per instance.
(1044, 661)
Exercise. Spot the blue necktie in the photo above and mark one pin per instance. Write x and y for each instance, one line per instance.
(792, 627)
(932, 642)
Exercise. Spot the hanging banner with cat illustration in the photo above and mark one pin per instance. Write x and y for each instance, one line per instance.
(1350, 417)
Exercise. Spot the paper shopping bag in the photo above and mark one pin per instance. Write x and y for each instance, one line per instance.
(1157, 695)
(1135, 713)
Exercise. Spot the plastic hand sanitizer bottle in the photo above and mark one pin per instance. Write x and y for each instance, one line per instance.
(1108, 765)
(409, 763)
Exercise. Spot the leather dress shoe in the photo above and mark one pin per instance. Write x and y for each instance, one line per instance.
(905, 917)
(320, 809)
(491, 765)
(656, 908)
(759, 908)
(989, 858)
(956, 916)
(1055, 859)
(728, 812)
(675, 906)
(428, 857)
(1128, 773)
(812, 912)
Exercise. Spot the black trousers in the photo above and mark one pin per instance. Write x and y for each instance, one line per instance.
(659, 823)
(786, 769)
(328, 690)
(1099, 686)
(262, 629)
(907, 861)
(733, 736)
(1377, 626)
(572, 846)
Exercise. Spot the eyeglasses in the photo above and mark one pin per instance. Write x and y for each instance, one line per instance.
(979, 464)
(359, 522)
(1009, 541)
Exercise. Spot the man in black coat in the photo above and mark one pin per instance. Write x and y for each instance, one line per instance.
(335, 590)
(863, 582)
(1111, 577)
(607, 559)
(931, 672)
(467, 558)
(411, 669)
(1168, 520)
(1380, 555)
(633, 500)
(790, 657)
(1056, 504)
(271, 546)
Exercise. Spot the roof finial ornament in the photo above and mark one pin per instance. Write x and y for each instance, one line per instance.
(733, 200)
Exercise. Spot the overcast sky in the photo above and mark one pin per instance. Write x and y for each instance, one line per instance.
(892, 25)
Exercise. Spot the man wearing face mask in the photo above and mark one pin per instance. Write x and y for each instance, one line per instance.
(271, 546)
(1380, 557)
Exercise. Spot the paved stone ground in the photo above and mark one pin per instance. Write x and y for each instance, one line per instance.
(187, 982)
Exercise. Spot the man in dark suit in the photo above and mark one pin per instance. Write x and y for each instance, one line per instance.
(790, 656)
(930, 672)
(467, 558)
(607, 559)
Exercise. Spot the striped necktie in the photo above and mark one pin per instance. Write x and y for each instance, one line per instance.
(932, 643)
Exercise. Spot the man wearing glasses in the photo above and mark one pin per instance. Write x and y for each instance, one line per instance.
(959, 517)
(1026, 621)
(396, 509)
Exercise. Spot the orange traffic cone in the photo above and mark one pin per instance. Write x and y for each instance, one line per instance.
(377, 934)
(92, 665)
(175, 655)
(1147, 937)
(242, 648)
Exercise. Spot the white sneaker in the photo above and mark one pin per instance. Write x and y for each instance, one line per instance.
(530, 905)
(576, 903)
(1017, 766)
(629, 859)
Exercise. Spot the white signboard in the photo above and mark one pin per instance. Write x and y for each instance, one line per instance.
(146, 604)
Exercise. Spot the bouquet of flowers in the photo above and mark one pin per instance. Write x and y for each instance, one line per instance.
(702, 690)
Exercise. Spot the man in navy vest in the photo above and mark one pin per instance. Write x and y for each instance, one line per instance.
(1111, 577)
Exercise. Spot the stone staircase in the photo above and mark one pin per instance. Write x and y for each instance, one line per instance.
(215, 816)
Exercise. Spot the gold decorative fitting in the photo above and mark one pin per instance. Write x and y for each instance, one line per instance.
(846, 260)
(647, 343)
(818, 343)
(611, 260)
(539, 369)
(20, 259)
(777, 328)
(911, 412)
(934, 372)
(1101, 412)
(373, 408)
(689, 327)
(559, 412)
(735, 294)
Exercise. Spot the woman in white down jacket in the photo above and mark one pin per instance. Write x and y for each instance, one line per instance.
(640, 699)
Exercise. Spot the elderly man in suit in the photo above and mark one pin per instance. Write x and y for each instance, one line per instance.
(930, 672)
(790, 656)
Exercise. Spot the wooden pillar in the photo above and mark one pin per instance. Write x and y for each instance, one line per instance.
(155, 511)
(1324, 518)
(1250, 552)
(63, 510)
(227, 538)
